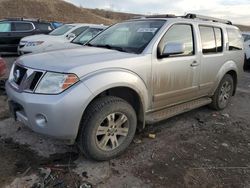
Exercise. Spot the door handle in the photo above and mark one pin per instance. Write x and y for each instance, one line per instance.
(194, 64)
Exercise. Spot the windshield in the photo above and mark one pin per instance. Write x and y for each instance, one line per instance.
(87, 35)
(131, 37)
(61, 30)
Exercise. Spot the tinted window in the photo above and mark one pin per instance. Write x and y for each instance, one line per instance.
(219, 39)
(208, 40)
(44, 26)
(23, 26)
(235, 39)
(5, 27)
(180, 33)
(79, 30)
(246, 37)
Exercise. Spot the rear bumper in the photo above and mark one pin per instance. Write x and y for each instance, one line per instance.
(58, 116)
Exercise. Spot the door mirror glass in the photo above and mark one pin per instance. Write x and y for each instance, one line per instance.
(173, 48)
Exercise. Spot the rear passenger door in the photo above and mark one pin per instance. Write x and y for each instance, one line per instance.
(212, 57)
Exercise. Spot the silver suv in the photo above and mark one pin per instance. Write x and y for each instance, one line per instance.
(136, 72)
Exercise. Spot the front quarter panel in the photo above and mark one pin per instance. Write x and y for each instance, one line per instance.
(106, 79)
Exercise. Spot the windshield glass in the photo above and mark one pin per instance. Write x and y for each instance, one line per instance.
(87, 35)
(61, 30)
(131, 37)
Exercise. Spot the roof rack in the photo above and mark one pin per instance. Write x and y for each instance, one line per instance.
(156, 16)
(24, 19)
(207, 18)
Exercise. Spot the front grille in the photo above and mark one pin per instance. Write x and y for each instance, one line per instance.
(35, 80)
(25, 79)
(18, 74)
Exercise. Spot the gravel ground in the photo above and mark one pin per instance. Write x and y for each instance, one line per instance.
(201, 148)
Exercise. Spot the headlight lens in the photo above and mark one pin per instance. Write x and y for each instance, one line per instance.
(35, 43)
(54, 83)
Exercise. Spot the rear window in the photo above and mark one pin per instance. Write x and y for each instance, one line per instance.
(211, 39)
(44, 26)
(246, 37)
(235, 39)
(20, 26)
(5, 27)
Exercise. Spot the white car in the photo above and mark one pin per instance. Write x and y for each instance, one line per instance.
(79, 41)
(246, 36)
(39, 43)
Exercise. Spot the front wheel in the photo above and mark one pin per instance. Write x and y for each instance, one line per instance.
(107, 128)
(223, 93)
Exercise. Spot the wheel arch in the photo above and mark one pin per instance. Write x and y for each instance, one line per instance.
(230, 68)
(120, 83)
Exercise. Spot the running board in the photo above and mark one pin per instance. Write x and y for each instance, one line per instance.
(175, 110)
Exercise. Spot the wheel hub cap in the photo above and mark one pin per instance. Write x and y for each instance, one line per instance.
(112, 131)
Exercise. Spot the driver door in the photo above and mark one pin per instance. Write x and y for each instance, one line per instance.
(176, 77)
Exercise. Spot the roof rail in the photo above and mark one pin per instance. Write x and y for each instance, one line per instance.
(207, 18)
(156, 16)
(162, 16)
(23, 19)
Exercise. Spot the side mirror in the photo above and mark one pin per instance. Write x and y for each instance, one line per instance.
(173, 48)
(70, 36)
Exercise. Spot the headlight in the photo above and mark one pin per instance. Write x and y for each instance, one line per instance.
(35, 43)
(23, 42)
(55, 83)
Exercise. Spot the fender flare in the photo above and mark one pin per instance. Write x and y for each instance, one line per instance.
(228, 66)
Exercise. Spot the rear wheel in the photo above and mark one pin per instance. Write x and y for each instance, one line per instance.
(223, 93)
(107, 129)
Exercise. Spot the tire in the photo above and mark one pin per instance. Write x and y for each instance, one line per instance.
(223, 93)
(107, 128)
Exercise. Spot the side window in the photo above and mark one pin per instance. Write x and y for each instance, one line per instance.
(219, 39)
(235, 39)
(79, 30)
(89, 35)
(5, 27)
(44, 26)
(19, 26)
(207, 39)
(179, 33)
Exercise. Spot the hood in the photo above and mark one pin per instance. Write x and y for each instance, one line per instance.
(61, 46)
(41, 37)
(78, 60)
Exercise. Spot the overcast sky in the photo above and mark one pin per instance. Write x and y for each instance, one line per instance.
(237, 11)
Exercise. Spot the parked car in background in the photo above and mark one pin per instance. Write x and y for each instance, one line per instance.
(134, 73)
(12, 30)
(246, 36)
(90, 32)
(3, 68)
(57, 24)
(38, 43)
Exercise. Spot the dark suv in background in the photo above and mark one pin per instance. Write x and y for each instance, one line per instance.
(12, 30)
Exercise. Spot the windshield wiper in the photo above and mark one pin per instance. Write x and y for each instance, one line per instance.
(88, 44)
(111, 47)
(77, 43)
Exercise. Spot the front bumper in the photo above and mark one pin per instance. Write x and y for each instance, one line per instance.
(58, 116)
